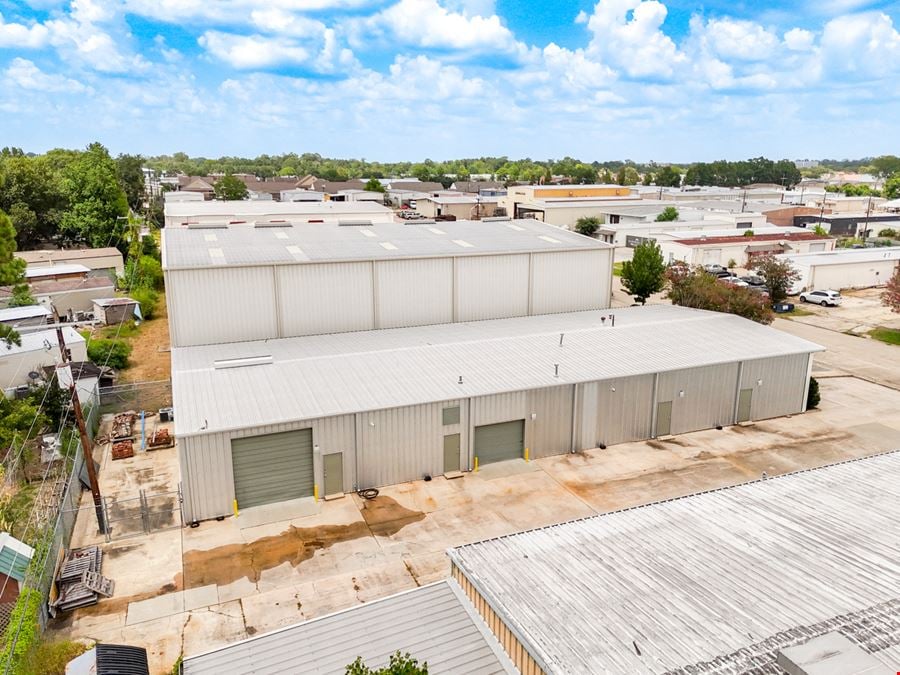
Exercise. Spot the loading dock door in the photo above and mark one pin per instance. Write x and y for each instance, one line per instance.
(744, 403)
(663, 418)
(272, 468)
(500, 442)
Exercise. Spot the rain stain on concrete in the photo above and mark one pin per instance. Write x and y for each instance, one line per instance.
(226, 564)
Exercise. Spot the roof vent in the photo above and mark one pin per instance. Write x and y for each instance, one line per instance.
(207, 226)
(272, 223)
(241, 362)
(420, 221)
(495, 219)
(355, 223)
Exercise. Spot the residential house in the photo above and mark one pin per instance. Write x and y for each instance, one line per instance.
(107, 261)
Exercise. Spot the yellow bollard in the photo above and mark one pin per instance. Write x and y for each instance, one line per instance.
(236, 512)
(526, 454)
(476, 465)
(316, 491)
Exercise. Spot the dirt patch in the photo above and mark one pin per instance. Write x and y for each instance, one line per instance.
(150, 357)
(386, 510)
(116, 605)
(227, 564)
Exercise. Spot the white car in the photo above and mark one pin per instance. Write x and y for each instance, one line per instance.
(832, 298)
(734, 281)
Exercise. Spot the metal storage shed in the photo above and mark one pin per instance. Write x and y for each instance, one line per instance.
(716, 582)
(436, 624)
(389, 406)
(245, 282)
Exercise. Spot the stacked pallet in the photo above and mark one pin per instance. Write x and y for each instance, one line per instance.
(80, 583)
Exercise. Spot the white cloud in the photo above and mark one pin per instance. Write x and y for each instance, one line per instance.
(20, 35)
(864, 43)
(745, 40)
(426, 23)
(226, 11)
(252, 51)
(26, 75)
(628, 33)
(279, 21)
(799, 40)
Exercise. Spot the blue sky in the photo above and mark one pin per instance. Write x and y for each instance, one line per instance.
(664, 80)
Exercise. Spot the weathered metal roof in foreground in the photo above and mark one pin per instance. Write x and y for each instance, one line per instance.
(434, 623)
(716, 582)
(250, 384)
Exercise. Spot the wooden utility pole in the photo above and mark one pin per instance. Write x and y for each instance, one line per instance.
(86, 445)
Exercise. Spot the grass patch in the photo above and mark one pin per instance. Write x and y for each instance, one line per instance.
(50, 658)
(890, 336)
(617, 269)
(129, 330)
(799, 311)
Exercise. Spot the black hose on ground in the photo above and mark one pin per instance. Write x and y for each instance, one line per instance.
(368, 493)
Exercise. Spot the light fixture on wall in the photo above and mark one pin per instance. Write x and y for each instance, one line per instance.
(612, 389)
(681, 393)
(759, 383)
(533, 416)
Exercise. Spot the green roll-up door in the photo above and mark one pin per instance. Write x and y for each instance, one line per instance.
(499, 442)
(273, 467)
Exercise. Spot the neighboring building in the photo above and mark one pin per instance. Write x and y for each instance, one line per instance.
(846, 267)
(838, 203)
(785, 215)
(411, 184)
(201, 186)
(99, 261)
(25, 317)
(241, 282)
(88, 376)
(722, 581)
(302, 195)
(485, 188)
(561, 205)
(113, 311)
(37, 350)
(63, 272)
(69, 297)
(708, 248)
(171, 196)
(353, 195)
(635, 233)
(849, 225)
(15, 557)
(461, 207)
(245, 211)
(435, 623)
(275, 420)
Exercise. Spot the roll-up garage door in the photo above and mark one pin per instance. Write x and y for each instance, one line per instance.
(499, 442)
(273, 467)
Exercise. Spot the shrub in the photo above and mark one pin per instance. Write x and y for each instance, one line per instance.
(731, 263)
(145, 273)
(147, 298)
(50, 658)
(813, 398)
(748, 233)
(668, 214)
(113, 353)
(888, 232)
(587, 225)
(23, 621)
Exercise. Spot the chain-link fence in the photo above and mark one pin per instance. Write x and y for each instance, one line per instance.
(136, 396)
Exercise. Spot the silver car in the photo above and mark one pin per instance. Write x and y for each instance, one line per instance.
(830, 298)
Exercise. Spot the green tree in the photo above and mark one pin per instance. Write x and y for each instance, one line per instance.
(886, 165)
(892, 187)
(129, 169)
(587, 225)
(400, 664)
(668, 177)
(668, 214)
(813, 397)
(21, 296)
(12, 272)
(31, 194)
(778, 274)
(97, 206)
(374, 185)
(645, 273)
(229, 188)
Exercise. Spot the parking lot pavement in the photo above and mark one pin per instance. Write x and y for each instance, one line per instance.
(859, 312)
(264, 577)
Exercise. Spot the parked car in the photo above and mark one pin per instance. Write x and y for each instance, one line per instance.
(715, 269)
(753, 280)
(760, 290)
(734, 281)
(832, 298)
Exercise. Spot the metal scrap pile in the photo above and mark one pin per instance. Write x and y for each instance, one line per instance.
(80, 583)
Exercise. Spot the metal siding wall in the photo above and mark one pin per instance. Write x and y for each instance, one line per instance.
(491, 287)
(414, 292)
(550, 433)
(206, 462)
(709, 396)
(783, 383)
(327, 298)
(400, 444)
(569, 281)
(857, 275)
(215, 306)
(499, 408)
(619, 416)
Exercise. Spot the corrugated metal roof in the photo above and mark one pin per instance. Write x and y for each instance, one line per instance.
(54, 270)
(32, 342)
(323, 375)
(711, 583)
(317, 242)
(434, 623)
(254, 209)
(846, 256)
(49, 255)
(28, 312)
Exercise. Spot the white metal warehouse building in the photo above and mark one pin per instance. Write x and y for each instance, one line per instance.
(846, 267)
(181, 213)
(246, 282)
(275, 420)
